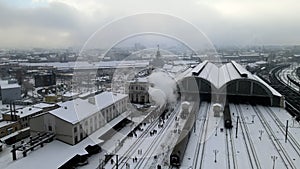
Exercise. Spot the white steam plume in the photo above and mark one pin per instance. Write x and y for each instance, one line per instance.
(163, 88)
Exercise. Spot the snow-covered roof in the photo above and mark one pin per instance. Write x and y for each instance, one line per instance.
(142, 79)
(10, 86)
(78, 109)
(86, 94)
(53, 155)
(3, 82)
(70, 94)
(6, 123)
(93, 65)
(220, 76)
(43, 105)
(274, 92)
(261, 62)
(26, 111)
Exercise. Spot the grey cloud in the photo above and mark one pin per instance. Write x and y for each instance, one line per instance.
(61, 25)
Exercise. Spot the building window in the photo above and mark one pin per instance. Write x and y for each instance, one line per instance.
(49, 128)
(76, 139)
(75, 129)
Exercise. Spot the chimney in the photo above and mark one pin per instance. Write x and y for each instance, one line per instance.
(11, 113)
(15, 117)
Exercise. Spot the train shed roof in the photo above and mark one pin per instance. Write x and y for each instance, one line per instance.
(220, 76)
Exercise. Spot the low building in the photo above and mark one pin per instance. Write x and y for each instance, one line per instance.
(78, 118)
(10, 93)
(138, 91)
(22, 115)
(69, 96)
(43, 80)
(17, 119)
(8, 127)
(51, 98)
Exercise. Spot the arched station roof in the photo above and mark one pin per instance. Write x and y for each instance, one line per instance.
(220, 77)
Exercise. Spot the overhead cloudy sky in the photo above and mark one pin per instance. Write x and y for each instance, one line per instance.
(65, 23)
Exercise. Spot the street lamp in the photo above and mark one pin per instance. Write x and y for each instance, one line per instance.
(274, 158)
(253, 115)
(215, 152)
(261, 132)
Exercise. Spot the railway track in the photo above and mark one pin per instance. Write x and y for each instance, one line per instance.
(148, 154)
(279, 147)
(198, 145)
(129, 153)
(125, 157)
(248, 141)
(203, 140)
(291, 95)
(231, 158)
(281, 126)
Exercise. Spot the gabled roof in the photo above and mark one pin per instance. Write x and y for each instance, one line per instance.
(78, 109)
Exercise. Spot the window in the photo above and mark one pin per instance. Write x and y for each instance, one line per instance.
(75, 129)
(49, 128)
(76, 139)
(95, 122)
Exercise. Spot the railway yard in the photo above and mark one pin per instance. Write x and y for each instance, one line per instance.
(212, 146)
(254, 145)
(254, 141)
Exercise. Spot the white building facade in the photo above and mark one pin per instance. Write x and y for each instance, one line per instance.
(77, 119)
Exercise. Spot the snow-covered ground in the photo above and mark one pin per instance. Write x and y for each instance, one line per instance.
(260, 135)
(146, 146)
(255, 142)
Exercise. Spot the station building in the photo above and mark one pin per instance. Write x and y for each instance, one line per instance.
(76, 119)
(229, 82)
(138, 91)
